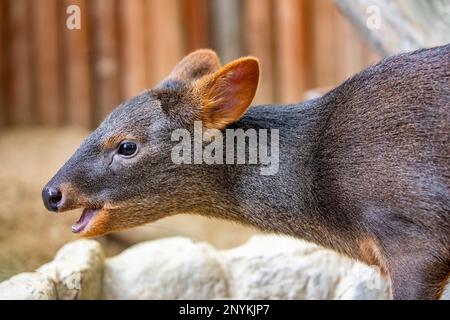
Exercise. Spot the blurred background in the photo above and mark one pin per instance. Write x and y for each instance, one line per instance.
(57, 84)
(55, 76)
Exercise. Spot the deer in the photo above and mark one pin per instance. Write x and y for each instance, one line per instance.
(363, 170)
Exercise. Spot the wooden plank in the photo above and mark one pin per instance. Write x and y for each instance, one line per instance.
(323, 43)
(349, 57)
(165, 38)
(258, 42)
(20, 77)
(197, 22)
(133, 53)
(106, 56)
(46, 53)
(353, 53)
(226, 28)
(291, 51)
(370, 55)
(77, 89)
(3, 63)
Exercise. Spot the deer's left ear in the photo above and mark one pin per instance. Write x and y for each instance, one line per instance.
(193, 67)
(226, 94)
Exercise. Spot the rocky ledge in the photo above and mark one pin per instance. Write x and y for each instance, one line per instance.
(266, 267)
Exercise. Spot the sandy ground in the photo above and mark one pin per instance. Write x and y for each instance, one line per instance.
(30, 236)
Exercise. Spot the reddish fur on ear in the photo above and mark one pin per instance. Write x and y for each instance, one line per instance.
(228, 93)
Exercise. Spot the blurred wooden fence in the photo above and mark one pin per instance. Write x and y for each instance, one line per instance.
(54, 76)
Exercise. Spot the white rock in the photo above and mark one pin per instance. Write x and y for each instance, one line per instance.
(77, 270)
(266, 267)
(363, 283)
(446, 293)
(173, 268)
(269, 267)
(28, 286)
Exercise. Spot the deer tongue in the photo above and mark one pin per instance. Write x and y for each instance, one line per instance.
(84, 220)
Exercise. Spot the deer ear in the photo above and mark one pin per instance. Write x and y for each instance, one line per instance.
(226, 95)
(194, 66)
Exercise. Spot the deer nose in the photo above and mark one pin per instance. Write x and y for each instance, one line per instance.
(52, 198)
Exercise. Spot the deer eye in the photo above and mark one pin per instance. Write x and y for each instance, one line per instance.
(127, 148)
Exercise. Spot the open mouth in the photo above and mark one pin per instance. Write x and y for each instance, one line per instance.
(86, 217)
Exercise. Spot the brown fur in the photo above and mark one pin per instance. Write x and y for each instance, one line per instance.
(371, 255)
(204, 61)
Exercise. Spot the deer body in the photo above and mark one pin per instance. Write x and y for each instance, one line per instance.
(363, 170)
